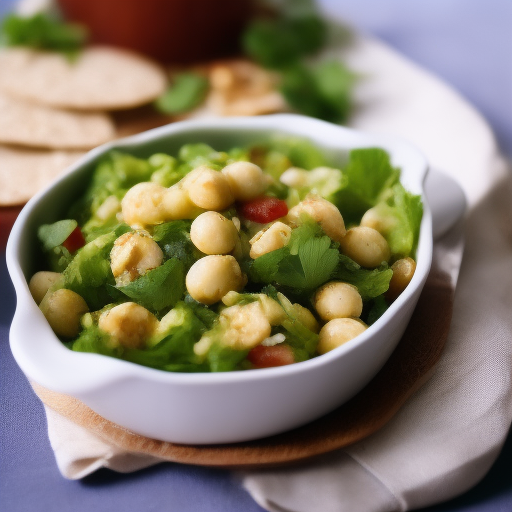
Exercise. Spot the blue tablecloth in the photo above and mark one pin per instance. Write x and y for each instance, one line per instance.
(466, 42)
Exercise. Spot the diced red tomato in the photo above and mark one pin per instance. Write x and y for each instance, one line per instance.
(74, 241)
(263, 209)
(267, 357)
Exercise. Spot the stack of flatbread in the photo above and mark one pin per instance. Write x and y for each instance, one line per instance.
(53, 109)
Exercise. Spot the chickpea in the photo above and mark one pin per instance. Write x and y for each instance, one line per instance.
(208, 189)
(274, 237)
(305, 317)
(41, 282)
(142, 205)
(63, 309)
(245, 326)
(366, 246)
(272, 309)
(323, 212)
(212, 233)
(246, 180)
(211, 277)
(132, 255)
(337, 300)
(403, 271)
(380, 219)
(110, 207)
(295, 177)
(177, 204)
(128, 324)
(337, 332)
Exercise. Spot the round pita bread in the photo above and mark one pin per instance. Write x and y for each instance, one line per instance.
(23, 171)
(100, 78)
(34, 125)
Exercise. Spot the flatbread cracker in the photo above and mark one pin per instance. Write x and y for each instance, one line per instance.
(242, 88)
(100, 78)
(24, 172)
(34, 125)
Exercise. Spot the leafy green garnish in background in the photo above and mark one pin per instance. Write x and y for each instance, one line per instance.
(283, 43)
(323, 90)
(186, 92)
(275, 43)
(42, 31)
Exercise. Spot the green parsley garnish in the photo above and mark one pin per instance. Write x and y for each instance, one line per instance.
(283, 43)
(186, 92)
(42, 31)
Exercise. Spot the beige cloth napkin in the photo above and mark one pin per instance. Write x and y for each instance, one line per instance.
(448, 435)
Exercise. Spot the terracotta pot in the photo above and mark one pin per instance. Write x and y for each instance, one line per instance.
(171, 31)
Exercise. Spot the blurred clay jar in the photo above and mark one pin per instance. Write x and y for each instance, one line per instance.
(171, 31)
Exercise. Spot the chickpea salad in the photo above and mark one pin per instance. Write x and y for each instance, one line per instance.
(209, 260)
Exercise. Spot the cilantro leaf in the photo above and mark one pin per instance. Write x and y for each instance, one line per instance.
(42, 31)
(275, 43)
(305, 263)
(186, 92)
(323, 90)
(159, 288)
(370, 283)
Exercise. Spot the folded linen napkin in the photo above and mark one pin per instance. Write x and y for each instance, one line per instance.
(447, 436)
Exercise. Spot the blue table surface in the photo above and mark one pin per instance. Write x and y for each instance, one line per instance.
(468, 43)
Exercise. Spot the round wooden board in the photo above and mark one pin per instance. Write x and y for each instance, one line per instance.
(409, 367)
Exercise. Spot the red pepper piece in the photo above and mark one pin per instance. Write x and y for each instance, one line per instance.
(263, 209)
(267, 357)
(74, 241)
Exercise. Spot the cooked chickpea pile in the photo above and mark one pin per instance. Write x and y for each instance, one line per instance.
(204, 197)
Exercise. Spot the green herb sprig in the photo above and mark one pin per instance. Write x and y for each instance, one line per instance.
(284, 43)
(42, 31)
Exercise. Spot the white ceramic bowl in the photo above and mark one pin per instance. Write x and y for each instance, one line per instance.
(221, 407)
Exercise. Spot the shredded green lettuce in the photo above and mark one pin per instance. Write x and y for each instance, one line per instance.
(368, 177)
(89, 273)
(53, 235)
(173, 351)
(402, 213)
(174, 240)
